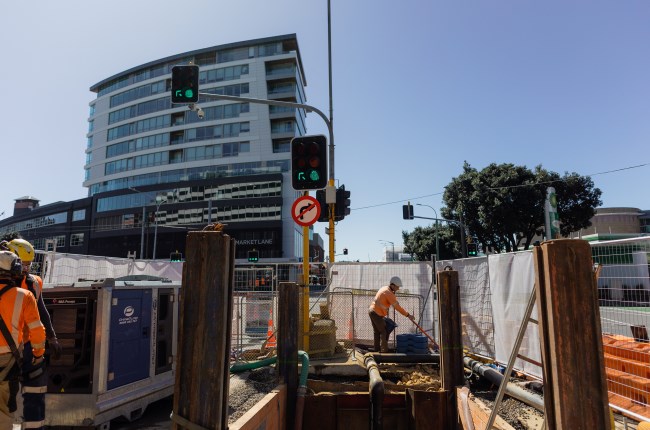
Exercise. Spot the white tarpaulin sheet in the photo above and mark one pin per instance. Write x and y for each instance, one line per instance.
(70, 268)
(416, 279)
(512, 280)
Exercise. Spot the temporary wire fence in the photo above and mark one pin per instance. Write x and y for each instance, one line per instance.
(624, 298)
(494, 289)
(355, 302)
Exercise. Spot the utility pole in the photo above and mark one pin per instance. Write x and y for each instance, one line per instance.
(437, 242)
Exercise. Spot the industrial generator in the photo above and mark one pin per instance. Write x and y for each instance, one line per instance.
(119, 341)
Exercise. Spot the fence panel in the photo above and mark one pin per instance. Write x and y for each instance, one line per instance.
(624, 296)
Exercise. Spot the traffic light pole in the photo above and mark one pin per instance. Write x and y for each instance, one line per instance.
(305, 231)
(308, 108)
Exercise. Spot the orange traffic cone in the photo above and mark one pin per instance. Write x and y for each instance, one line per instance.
(270, 337)
(350, 330)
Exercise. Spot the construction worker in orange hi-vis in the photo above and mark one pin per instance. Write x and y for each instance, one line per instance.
(34, 383)
(384, 298)
(18, 310)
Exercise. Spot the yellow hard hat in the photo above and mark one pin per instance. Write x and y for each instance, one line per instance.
(23, 249)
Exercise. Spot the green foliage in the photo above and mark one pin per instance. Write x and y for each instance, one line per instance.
(421, 242)
(503, 204)
(11, 236)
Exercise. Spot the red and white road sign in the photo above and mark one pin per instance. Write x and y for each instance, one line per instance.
(305, 211)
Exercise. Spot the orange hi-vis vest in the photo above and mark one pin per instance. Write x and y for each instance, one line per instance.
(18, 309)
(384, 298)
(37, 290)
(37, 285)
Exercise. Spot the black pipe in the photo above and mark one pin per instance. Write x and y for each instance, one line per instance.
(405, 358)
(376, 389)
(496, 378)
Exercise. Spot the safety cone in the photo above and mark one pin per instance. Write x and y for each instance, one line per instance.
(349, 341)
(350, 330)
(270, 337)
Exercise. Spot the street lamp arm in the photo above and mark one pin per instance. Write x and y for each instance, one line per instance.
(308, 108)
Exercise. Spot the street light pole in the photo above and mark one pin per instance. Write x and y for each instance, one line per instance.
(393, 244)
(437, 242)
(142, 221)
(159, 201)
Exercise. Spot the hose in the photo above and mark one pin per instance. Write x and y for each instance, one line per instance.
(243, 367)
(302, 389)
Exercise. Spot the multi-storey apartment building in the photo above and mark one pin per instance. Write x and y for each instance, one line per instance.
(156, 170)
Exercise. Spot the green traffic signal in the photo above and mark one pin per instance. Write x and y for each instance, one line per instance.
(309, 162)
(253, 256)
(314, 176)
(185, 84)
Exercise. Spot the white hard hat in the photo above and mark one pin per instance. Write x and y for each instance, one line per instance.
(395, 280)
(10, 265)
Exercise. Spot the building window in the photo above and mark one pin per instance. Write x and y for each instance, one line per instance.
(59, 240)
(79, 215)
(281, 145)
(76, 239)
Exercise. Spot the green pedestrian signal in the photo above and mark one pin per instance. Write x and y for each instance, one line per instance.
(185, 84)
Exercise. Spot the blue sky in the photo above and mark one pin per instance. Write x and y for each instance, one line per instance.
(418, 88)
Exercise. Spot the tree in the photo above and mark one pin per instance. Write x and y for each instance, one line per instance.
(502, 206)
(421, 242)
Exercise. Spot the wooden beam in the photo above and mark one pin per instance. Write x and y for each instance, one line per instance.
(451, 339)
(575, 386)
(202, 369)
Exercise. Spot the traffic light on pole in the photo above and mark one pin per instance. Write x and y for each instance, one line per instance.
(472, 249)
(185, 84)
(324, 207)
(342, 207)
(407, 211)
(253, 256)
(309, 162)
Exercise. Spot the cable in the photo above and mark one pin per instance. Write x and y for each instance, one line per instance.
(504, 187)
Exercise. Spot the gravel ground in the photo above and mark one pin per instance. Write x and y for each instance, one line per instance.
(511, 410)
(248, 388)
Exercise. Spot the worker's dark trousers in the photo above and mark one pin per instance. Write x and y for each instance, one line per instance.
(34, 386)
(381, 334)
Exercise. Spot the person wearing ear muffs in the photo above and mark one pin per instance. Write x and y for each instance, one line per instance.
(34, 380)
(384, 299)
(18, 309)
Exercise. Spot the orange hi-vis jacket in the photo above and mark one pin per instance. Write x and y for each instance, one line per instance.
(18, 309)
(384, 298)
(38, 285)
(38, 290)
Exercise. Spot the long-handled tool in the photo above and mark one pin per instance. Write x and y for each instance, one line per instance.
(436, 347)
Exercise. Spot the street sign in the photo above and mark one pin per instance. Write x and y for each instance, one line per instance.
(305, 211)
